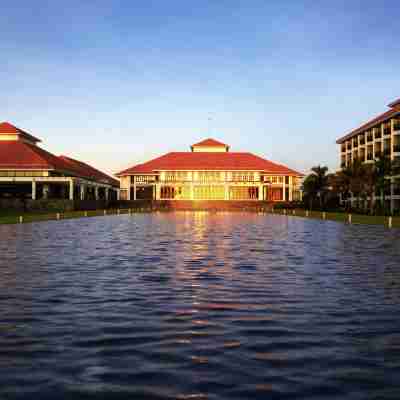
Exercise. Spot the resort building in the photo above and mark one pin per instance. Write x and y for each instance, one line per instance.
(210, 172)
(29, 172)
(380, 136)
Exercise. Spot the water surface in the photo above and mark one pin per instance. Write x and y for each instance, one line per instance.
(199, 306)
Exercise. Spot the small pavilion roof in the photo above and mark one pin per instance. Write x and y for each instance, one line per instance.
(209, 143)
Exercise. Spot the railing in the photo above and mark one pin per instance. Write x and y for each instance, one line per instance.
(396, 148)
(362, 141)
(396, 126)
(209, 181)
(355, 144)
(386, 132)
(369, 138)
(378, 135)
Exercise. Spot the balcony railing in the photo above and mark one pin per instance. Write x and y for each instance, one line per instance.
(378, 135)
(386, 131)
(355, 144)
(362, 141)
(370, 138)
(396, 126)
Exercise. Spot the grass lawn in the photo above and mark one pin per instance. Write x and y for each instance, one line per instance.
(343, 217)
(13, 217)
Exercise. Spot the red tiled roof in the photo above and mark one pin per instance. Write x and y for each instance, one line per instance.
(209, 162)
(85, 170)
(377, 120)
(395, 103)
(210, 143)
(15, 154)
(20, 155)
(7, 128)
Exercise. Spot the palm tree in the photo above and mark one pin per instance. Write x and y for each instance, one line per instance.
(310, 189)
(321, 181)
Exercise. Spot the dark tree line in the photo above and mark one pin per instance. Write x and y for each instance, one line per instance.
(358, 180)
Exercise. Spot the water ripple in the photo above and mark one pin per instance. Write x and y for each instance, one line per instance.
(196, 306)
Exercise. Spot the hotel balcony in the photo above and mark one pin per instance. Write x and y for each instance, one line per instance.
(378, 134)
(386, 132)
(396, 127)
(396, 148)
(370, 138)
(362, 141)
(349, 147)
(343, 148)
(355, 144)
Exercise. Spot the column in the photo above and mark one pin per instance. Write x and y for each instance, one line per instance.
(82, 191)
(33, 190)
(284, 190)
(71, 189)
(96, 192)
(106, 193)
(154, 187)
(134, 188)
(158, 192)
(290, 188)
(260, 193)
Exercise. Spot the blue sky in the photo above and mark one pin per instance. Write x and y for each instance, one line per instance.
(115, 83)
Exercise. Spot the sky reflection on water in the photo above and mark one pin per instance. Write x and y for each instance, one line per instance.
(199, 305)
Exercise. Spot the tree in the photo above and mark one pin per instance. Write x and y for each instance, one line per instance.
(357, 172)
(384, 169)
(310, 189)
(316, 185)
(340, 183)
(369, 185)
(321, 182)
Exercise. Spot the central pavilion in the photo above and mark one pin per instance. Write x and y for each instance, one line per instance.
(210, 171)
